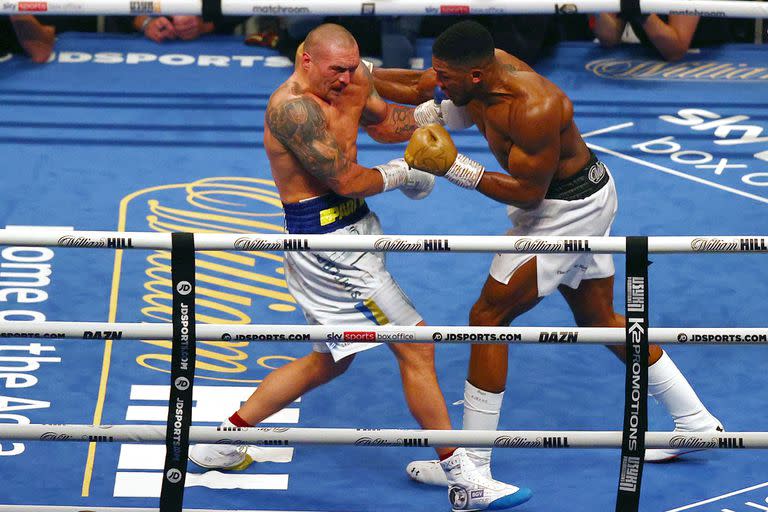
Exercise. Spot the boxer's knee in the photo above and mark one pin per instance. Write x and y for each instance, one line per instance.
(326, 369)
(485, 313)
(415, 356)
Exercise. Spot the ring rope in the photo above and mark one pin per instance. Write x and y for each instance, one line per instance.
(636, 249)
(385, 334)
(70, 508)
(286, 436)
(381, 243)
(713, 8)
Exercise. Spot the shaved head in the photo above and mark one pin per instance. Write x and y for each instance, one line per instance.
(328, 60)
(328, 36)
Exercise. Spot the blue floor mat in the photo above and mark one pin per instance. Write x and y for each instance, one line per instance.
(118, 133)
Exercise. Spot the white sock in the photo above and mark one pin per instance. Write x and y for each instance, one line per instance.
(481, 412)
(670, 388)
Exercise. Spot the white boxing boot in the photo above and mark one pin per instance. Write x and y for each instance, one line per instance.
(481, 412)
(470, 491)
(671, 389)
(428, 472)
(704, 423)
(229, 457)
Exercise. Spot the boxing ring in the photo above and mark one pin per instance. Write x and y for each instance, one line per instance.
(171, 143)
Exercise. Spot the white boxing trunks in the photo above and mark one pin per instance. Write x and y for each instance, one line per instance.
(345, 288)
(582, 205)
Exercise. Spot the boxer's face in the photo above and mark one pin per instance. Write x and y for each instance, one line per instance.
(457, 82)
(331, 69)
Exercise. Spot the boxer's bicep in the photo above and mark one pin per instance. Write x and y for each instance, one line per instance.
(301, 126)
(532, 158)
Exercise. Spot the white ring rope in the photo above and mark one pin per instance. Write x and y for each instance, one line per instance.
(384, 334)
(70, 508)
(379, 437)
(286, 436)
(714, 8)
(380, 243)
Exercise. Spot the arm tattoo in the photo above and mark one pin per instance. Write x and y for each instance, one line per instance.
(402, 120)
(511, 68)
(300, 125)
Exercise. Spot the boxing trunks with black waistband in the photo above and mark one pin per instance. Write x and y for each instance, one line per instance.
(584, 204)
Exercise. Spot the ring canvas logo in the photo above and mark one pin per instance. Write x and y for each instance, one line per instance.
(232, 286)
(689, 71)
(727, 151)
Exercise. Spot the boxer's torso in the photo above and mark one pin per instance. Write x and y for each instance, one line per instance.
(504, 118)
(341, 120)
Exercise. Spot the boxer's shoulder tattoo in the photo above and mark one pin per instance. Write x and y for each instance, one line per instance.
(510, 67)
(296, 88)
(301, 126)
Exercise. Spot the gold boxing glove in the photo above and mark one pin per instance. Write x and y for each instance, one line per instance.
(431, 149)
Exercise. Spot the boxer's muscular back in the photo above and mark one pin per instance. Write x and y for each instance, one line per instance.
(507, 118)
(321, 131)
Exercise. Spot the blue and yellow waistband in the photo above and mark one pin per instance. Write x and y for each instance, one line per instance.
(323, 214)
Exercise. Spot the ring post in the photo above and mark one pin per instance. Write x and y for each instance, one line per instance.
(636, 383)
(182, 372)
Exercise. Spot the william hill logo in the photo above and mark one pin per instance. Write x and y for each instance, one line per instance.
(86, 242)
(537, 245)
(260, 244)
(402, 245)
(695, 71)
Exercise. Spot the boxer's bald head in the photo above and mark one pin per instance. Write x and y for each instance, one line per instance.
(329, 59)
(329, 37)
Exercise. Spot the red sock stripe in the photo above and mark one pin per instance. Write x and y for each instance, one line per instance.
(238, 421)
(447, 455)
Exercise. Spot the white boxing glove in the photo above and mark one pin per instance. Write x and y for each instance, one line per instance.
(444, 113)
(415, 184)
(368, 64)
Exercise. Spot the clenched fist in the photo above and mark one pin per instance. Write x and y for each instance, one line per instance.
(431, 149)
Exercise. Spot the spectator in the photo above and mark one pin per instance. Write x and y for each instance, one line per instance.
(162, 28)
(670, 36)
(398, 40)
(25, 34)
(166, 28)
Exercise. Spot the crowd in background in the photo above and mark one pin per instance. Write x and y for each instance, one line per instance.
(529, 37)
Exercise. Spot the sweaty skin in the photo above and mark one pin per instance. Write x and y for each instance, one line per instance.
(528, 123)
(311, 132)
(526, 119)
(310, 135)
